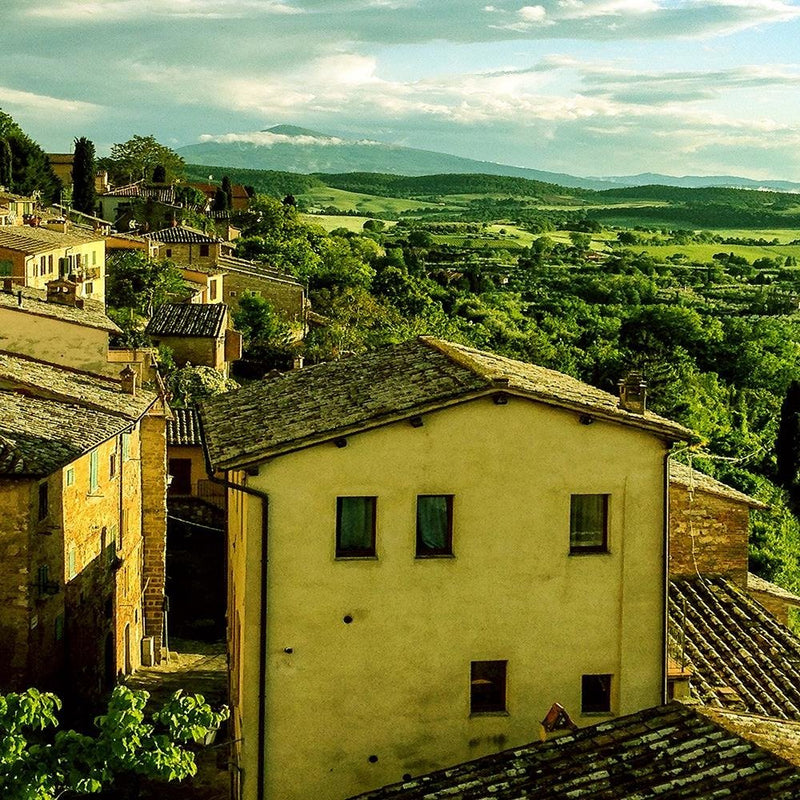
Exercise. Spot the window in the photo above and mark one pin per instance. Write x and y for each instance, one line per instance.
(6, 266)
(487, 687)
(212, 290)
(70, 476)
(43, 501)
(58, 627)
(94, 257)
(169, 252)
(50, 264)
(88, 288)
(204, 251)
(72, 562)
(43, 579)
(355, 526)
(112, 465)
(595, 694)
(434, 525)
(93, 464)
(181, 471)
(588, 523)
(126, 446)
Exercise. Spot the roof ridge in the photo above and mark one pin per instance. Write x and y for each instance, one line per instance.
(457, 357)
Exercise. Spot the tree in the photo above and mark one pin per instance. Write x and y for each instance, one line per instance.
(189, 384)
(266, 336)
(138, 158)
(31, 170)
(39, 762)
(160, 174)
(141, 284)
(228, 190)
(787, 444)
(220, 201)
(5, 164)
(83, 172)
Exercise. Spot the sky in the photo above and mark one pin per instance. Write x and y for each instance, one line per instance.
(586, 87)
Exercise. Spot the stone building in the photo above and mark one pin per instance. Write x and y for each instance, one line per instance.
(454, 540)
(197, 334)
(82, 533)
(36, 255)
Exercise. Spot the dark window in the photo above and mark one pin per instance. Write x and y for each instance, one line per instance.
(204, 251)
(487, 687)
(44, 504)
(588, 523)
(112, 465)
(212, 290)
(595, 694)
(355, 526)
(169, 252)
(181, 471)
(43, 579)
(59, 627)
(434, 525)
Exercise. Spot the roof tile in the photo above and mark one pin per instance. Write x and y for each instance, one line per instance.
(188, 319)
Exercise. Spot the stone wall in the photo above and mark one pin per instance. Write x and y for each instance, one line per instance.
(708, 534)
(196, 350)
(154, 526)
(287, 298)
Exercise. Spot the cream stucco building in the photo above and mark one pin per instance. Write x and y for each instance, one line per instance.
(433, 545)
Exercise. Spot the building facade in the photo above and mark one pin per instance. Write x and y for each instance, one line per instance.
(454, 541)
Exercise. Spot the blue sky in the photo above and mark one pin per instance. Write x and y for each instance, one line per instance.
(588, 87)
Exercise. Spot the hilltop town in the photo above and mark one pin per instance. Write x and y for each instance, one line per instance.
(515, 519)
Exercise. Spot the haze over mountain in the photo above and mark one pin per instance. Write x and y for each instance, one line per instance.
(290, 148)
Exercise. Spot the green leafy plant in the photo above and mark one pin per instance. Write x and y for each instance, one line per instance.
(40, 762)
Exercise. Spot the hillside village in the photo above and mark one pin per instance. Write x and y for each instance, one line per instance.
(438, 570)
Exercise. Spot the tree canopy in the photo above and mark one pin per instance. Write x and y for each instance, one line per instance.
(30, 167)
(139, 158)
(40, 762)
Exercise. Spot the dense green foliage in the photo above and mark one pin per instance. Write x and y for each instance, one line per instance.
(40, 762)
(83, 172)
(717, 341)
(267, 182)
(139, 158)
(30, 168)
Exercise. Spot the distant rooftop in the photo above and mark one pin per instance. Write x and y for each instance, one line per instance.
(242, 265)
(343, 397)
(27, 239)
(34, 301)
(693, 479)
(188, 319)
(184, 428)
(739, 654)
(181, 234)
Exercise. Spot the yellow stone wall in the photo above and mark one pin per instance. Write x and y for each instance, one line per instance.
(394, 684)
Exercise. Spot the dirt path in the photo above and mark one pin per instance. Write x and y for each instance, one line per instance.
(197, 668)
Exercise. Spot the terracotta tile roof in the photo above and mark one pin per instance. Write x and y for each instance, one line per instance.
(693, 479)
(241, 265)
(26, 239)
(338, 398)
(38, 436)
(756, 584)
(34, 301)
(188, 319)
(670, 752)
(740, 656)
(184, 428)
(72, 386)
(180, 234)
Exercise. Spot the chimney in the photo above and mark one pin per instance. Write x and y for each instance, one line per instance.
(128, 379)
(633, 393)
(557, 722)
(297, 362)
(64, 292)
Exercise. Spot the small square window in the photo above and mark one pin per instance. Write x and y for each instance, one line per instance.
(204, 251)
(588, 523)
(44, 504)
(434, 525)
(487, 687)
(355, 526)
(595, 694)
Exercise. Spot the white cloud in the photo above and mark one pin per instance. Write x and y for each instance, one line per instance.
(120, 10)
(40, 103)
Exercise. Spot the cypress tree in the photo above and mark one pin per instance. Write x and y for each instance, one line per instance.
(83, 171)
(226, 187)
(5, 164)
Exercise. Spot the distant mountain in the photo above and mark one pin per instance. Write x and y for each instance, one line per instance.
(288, 148)
(699, 182)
